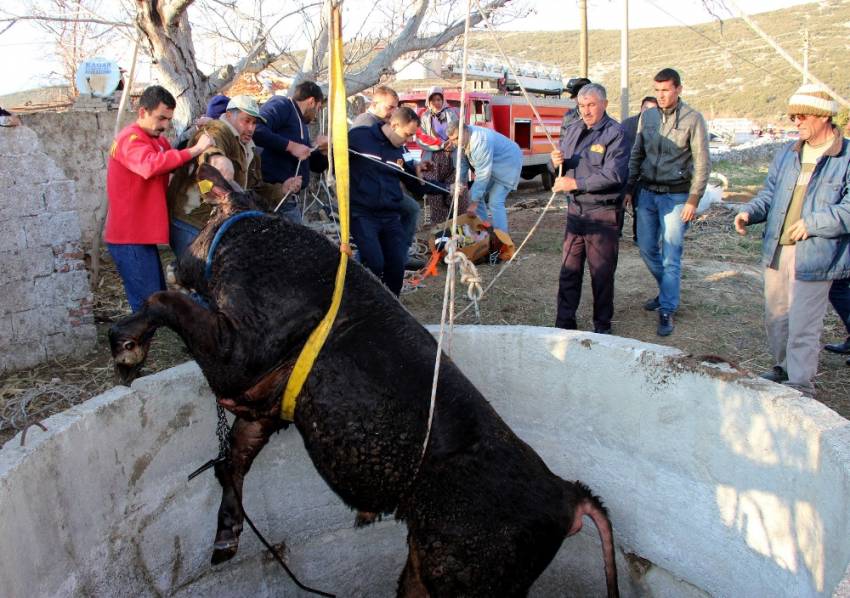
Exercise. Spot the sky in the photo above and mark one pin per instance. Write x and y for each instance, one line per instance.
(27, 51)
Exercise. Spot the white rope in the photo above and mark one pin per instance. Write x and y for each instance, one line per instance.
(475, 303)
(468, 276)
(510, 261)
(448, 291)
(454, 258)
(513, 72)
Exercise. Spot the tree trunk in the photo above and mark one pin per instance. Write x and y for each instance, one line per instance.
(166, 28)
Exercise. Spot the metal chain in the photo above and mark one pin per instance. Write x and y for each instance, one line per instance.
(222, 430)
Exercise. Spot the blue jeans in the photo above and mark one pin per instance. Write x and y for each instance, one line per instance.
(291, 210)
(140, 271)
(496, 194)
(661, 240)
(839, 296)
(181, 234)
(382, 246)
(409, 217)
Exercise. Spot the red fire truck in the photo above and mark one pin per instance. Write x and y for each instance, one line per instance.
(511, 116)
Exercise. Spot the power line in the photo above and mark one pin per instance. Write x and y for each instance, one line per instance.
(713, 41)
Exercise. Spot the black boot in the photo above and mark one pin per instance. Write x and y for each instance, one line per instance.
(840, 348)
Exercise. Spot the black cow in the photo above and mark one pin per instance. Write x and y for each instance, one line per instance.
(484, 514)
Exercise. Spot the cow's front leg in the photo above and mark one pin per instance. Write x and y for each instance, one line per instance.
(246, 441)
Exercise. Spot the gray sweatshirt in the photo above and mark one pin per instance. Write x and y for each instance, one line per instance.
(670, 153)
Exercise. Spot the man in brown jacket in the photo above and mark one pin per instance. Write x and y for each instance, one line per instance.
(233, 135)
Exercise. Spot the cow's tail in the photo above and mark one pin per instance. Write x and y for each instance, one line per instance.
(590, 505)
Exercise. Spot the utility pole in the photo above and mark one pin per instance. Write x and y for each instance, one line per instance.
(805, 56)
(624, 64)
(760, 32)
(582, 38)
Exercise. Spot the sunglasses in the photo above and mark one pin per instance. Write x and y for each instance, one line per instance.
(796, 117)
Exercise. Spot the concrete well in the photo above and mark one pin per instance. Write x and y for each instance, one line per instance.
(717, 484)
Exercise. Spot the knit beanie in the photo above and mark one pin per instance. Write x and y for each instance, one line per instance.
(813, 99)
(217, 106)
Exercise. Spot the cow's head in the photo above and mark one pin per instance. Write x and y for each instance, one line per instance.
(129, 341)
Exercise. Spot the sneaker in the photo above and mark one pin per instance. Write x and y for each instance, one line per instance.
(665, 324)
(777, 374)
(840, 348)
(652, 304)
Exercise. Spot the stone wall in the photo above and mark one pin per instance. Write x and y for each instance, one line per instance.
(759, 151)
(46, 307)
(79, 144)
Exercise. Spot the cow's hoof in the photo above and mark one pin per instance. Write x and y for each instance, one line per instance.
(224, 551)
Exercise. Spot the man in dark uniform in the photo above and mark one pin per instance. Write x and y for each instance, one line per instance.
(595, 159)
(376, 195)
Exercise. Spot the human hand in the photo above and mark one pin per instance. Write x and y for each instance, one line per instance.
(557, 157)
(322, 144)
(203, 142)
(798, 231)
(424, 166)
(627, 201)
(299, 150)
(741, 220)
(472, 208)
(688, 213)
(292, 185)
(565, 184)
(460, 188)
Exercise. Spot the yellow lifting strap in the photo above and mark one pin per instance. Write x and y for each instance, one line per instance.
(339, 125)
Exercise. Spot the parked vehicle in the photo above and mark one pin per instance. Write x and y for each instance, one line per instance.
(511, 116)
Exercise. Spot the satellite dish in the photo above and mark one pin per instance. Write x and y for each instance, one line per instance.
(98, 77)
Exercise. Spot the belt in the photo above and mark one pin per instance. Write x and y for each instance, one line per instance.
(604, 202)
(658, 188)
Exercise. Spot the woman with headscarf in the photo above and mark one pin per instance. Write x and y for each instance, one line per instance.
(432, 138)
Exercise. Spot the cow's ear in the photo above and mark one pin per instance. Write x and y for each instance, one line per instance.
(214, 187)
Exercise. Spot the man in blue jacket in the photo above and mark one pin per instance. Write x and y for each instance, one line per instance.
(497, 162)
(285, 140)
(806, 205)
(376, 195)
(594, 156)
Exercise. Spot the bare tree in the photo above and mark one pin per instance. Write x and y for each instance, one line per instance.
(405, 25)
(247, 36)
(76, 31)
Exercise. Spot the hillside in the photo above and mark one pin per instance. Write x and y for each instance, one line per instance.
(727, 70)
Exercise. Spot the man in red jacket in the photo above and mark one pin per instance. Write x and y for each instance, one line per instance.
(140, 160)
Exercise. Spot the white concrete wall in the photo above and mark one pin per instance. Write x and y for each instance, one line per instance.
(722, 485)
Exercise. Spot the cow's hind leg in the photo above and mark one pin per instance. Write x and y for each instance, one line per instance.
(410, 584)
(247, 439)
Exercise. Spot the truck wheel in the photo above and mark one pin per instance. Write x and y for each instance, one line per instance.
(547, 178)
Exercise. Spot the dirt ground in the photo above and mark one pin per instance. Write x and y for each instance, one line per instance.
(721, 311)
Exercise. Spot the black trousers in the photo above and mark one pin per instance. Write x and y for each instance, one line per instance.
(592, 234)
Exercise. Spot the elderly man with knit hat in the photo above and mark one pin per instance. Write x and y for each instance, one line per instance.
(806, 207)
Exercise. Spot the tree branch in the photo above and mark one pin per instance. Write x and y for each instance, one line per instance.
(174, 10)
(407, 41)
(13, 20)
